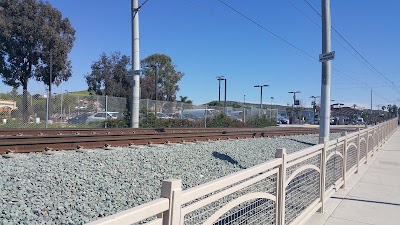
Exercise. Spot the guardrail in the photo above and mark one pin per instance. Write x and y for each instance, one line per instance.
(286, 190)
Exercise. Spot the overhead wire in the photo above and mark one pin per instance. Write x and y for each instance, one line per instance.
(342, 74)
(318, 25)
(212, 11)
(358, 53)
(138, 8)
(266, 29)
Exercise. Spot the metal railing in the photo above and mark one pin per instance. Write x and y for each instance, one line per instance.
(286, 190)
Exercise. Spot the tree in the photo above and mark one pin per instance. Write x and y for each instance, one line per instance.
(392, 109)
(184, 99)
(167, 78)
(109, 75)
(29, 30)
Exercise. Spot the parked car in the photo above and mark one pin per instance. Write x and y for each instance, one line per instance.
(79, 119)
(102, 116)
(200, 113)
(237, 115)
(283, 120)
(161, 115)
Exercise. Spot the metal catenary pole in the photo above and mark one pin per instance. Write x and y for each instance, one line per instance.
(244, 108)
(326, 72)
(225, 110)
(219, 78)
(135, 87)
(155, 88)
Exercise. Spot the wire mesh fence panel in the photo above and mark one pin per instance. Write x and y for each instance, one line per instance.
(255, 210)
(314, 160)
(370, 143)
(301, 192)
(334, 170)
(351, 157)
(363, 149)
(258, 211)
(336, 148)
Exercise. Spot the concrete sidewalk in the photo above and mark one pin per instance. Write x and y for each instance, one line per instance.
(372, 196)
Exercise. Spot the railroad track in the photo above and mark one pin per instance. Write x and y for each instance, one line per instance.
(36, 140)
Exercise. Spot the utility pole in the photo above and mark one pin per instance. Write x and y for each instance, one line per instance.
(371, 102)
(314, 104)
(225, 110)
(135, 86)
(244, 108)
(324, 128)
(155, 88)
(219, 78)
(261, 87)
(270, 111)
(294, 101)
(48, 105)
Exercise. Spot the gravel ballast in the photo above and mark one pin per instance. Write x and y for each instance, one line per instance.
(75, 188)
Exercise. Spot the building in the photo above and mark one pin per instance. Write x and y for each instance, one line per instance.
(7, 105)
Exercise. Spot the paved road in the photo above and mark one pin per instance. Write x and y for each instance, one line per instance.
(372, 196)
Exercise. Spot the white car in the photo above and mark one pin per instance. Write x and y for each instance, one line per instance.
(102, 116)
(161, 115)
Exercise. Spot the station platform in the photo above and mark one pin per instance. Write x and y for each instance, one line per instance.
(372, 196)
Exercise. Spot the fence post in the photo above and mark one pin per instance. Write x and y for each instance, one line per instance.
(373, 141)
(106, 110)
(323, 177)
(172, 190)
(379, 136)
(344, 134)
(281, 186)
(367, 140)
(358, 149)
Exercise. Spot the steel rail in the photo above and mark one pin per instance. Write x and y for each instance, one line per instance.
(24, 144)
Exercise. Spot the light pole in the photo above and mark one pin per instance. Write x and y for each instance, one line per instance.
(270, 111)
(47, 108)
(244, 108)
(219, 78)
(155, 87)
(261, 92)
(55, 98)
(50, 108)
(314, 104)
(325, 73)
(294, 101)
(69, 109)
(135, 87)
(225, 98)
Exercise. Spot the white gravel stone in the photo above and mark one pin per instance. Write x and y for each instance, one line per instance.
(75, 188)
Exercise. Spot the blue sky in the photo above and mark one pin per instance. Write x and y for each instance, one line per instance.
(206, 39)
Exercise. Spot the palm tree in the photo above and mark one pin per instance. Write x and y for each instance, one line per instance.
(184, 99)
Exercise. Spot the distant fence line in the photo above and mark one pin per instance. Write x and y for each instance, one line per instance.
(286, 190)
(72, 110)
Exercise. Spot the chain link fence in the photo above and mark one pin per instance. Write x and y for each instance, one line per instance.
(70, 110)
(65, 110)
(189, 111)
